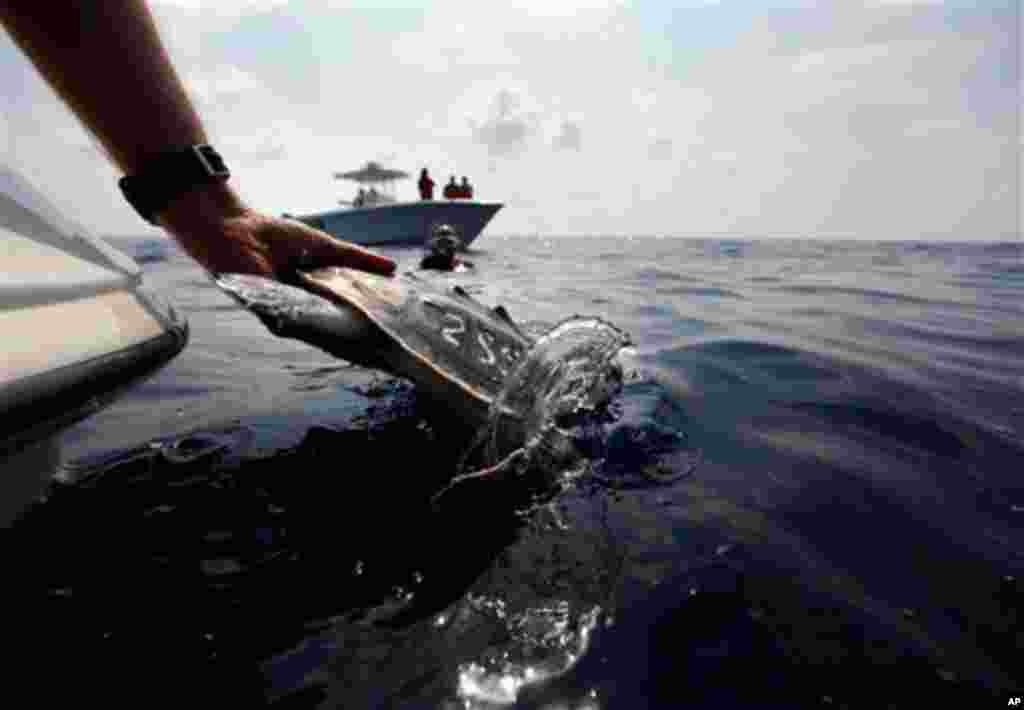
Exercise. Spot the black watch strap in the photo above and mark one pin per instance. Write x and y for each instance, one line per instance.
(170, 175)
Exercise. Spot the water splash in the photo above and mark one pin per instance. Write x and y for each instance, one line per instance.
(168, 458)
(564, 383)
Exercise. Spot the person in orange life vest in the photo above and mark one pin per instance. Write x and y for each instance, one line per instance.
(451, 190)
(465, 189)
(426, 186)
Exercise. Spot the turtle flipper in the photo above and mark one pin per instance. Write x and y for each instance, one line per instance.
(498, 310)
(502, 313)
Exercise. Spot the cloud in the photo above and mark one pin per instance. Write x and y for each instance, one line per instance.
(570, 137)
(508, 130)
(503, 136)
(256, 149)
(562, 8)
(660, 149)
(235, 106)
(223, 86)
(224, 8)
(5, 136)
(934, 128)
(842, 60)
(644, 100)
(814, 118)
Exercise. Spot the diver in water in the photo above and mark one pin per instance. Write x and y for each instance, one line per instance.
(443, 246)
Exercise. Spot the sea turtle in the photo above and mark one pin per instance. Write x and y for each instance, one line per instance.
(453, 348)
(473, 361)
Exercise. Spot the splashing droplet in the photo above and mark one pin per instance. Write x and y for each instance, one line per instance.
(562, 384)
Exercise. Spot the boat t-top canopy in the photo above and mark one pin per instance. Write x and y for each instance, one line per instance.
(372, 173)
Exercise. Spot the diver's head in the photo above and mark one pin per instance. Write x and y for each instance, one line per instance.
(444, 238)
(444, 230)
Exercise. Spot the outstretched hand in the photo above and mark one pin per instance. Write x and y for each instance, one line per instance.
(224, 236)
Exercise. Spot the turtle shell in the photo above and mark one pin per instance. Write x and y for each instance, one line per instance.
(441, 338)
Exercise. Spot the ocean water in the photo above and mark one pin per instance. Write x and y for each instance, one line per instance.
(809, 493)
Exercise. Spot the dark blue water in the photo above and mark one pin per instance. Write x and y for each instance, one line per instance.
(810, 496)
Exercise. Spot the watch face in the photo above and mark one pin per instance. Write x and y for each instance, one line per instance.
(211, 161)
(171, 175)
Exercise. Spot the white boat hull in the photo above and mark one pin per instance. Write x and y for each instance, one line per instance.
(76, 329)
(409, 223)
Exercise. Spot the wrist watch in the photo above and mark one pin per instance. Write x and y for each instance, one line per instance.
(170, 175)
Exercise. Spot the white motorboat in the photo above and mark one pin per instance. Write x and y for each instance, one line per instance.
(77, 327)
(379, 218)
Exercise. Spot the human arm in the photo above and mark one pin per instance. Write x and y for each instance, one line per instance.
(105, 59)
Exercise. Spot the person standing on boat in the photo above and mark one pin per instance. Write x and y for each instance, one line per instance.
(426, 186)
(150, 130)
(451, 190)
(465, 189)
(360, 198)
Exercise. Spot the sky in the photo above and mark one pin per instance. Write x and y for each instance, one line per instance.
(871, 119)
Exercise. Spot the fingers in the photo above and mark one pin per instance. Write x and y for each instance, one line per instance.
(267, 246)
(364, 260)
(325, 250)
